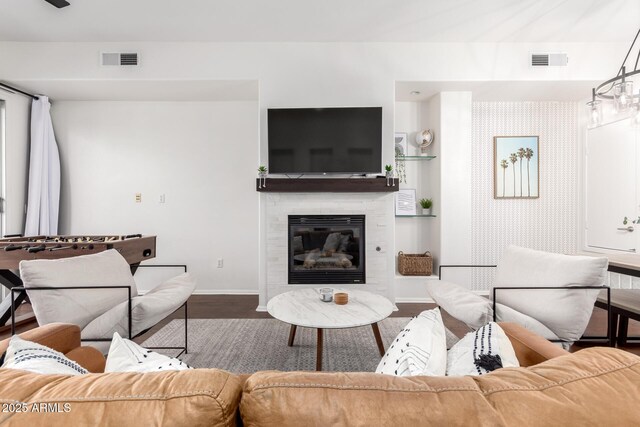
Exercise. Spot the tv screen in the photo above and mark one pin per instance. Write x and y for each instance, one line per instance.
(325, 140)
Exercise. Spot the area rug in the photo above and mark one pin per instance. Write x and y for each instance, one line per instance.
(250, 345)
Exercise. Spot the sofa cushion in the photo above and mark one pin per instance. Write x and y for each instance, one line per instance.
(596, 386)
(202, 397)
(79, 307)
(419, 349)
(566, 313)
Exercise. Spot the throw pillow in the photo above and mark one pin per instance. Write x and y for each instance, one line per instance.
(481, 351)
(472, 309)
(127, 356)
(419, 349)
(78, 307)
(34, 357)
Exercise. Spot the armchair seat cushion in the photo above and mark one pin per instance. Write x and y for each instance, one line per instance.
(147, 309)
(476, 311)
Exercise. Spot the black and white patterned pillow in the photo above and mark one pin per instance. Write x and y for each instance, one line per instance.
(127, 356)
(33, 357)
(481, 352)
(419, 349)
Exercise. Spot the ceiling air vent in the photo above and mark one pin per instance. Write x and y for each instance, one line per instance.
(549, 59)
(119, 59)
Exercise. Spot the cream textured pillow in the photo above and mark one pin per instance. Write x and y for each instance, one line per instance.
(127, 356)
(34, 357)
(79, 307)
(471, 309)
(481, 351)
(419, 349)
(565, 312)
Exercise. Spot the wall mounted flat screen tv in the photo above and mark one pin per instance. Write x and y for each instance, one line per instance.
(325, 140)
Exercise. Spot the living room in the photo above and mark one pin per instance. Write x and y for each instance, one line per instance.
(162, 115)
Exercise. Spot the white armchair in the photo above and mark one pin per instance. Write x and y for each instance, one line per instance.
(550, 294)
(97, 292)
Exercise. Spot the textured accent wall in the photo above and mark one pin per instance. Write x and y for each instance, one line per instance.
(548, 223)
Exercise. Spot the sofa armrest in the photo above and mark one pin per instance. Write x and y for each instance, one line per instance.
(61, 337)
(530, 348)
(89, 358)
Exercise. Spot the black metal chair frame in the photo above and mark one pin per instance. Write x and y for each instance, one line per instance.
(184, 349)
(609, 339)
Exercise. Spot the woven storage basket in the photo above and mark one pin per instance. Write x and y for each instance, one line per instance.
(415, 264)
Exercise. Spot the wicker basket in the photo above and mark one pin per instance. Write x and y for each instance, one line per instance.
(415, 264)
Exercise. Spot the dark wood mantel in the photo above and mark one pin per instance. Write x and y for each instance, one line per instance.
(327, 185)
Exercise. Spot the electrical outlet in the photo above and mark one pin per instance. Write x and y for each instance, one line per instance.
(138, 197)
(220, 262)
(162, 199)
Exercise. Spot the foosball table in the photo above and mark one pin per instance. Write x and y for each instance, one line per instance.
(134, 248)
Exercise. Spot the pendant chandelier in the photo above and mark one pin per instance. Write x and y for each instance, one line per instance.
(618, 90)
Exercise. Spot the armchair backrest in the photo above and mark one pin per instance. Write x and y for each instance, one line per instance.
(78, 307)
(566, 313)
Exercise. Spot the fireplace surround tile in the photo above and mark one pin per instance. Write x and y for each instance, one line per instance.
(378, 209)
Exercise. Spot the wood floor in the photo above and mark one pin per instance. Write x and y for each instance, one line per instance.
(244, 307)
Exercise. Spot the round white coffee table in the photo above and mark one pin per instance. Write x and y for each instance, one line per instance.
(304, 308)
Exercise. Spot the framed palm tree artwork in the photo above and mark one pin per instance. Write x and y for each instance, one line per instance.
(516, 167)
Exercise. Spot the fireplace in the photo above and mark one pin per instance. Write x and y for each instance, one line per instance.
(326, 249)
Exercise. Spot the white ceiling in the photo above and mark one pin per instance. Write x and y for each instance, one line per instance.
(500, 91)
(143, 90)
(321, 21)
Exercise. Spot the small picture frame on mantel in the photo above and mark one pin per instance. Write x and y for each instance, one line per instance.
(401, 144)
(406, 202)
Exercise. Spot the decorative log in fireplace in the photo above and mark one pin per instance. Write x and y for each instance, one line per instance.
(325, 249)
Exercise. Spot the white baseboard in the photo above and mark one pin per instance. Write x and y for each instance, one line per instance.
(414, 300)
(261, 308)
(225, 292)
(428, 300)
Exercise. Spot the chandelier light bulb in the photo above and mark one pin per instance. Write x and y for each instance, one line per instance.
(595, 113)
(623, 95)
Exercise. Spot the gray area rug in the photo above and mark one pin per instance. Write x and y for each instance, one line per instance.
(250, 345)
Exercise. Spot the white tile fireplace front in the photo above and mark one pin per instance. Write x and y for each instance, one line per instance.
(378, 209)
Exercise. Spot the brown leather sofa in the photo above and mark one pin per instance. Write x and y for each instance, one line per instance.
(596, 386)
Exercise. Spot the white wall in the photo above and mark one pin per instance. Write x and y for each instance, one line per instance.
(306, 74)
(455, 183)
(200, 155)
(548, 223)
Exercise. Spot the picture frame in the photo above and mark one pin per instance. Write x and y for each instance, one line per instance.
(401, 143)
(406, 202)
(516, 167)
